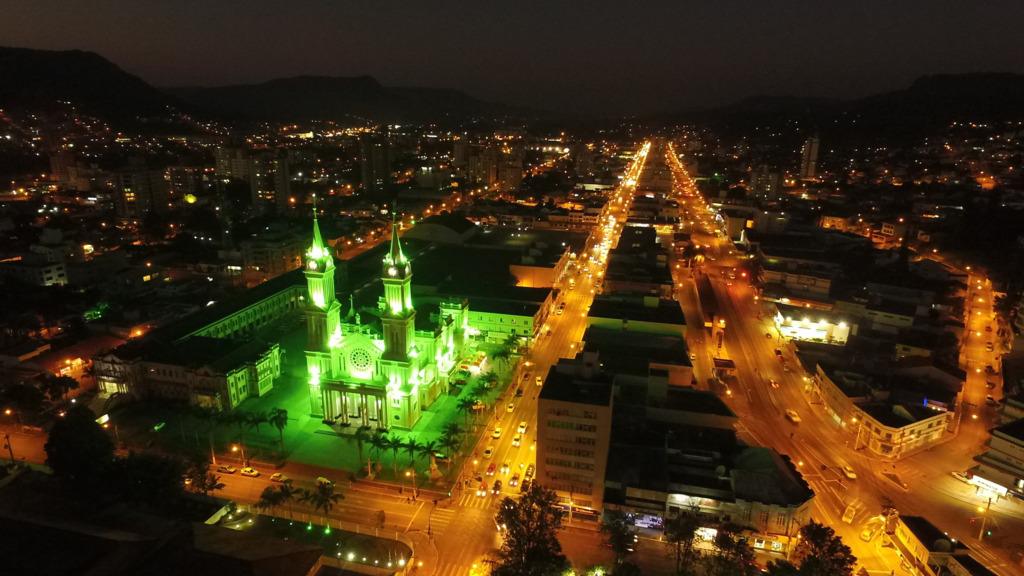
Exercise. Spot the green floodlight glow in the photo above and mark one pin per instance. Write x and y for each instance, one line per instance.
(310, 527)
(327, 530)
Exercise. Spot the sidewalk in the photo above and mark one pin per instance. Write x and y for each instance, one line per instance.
(424, 553)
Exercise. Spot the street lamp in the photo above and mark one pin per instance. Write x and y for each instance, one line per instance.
(236, 448)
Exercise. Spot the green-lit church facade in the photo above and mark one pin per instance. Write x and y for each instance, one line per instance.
(379, 376)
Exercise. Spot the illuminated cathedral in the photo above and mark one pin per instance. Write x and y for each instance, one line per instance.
(378, 368)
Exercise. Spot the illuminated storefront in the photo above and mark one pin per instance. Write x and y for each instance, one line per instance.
(807, 325)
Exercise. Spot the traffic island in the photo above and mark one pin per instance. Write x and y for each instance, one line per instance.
(347, 546)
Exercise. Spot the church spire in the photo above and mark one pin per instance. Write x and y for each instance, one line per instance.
(318, 250)
(395, 256)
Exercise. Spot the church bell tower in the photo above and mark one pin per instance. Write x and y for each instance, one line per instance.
(323, 313)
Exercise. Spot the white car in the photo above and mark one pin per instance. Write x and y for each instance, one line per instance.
(251, 472)
(849, 473)
(792, 416)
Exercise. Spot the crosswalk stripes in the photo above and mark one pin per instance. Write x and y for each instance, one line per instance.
(474, 501)
(441, 517)
(447, 569)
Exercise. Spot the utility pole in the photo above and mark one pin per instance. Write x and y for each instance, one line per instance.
(984, 518)
(7, 444)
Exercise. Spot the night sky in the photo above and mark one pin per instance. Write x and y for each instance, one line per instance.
(598, 56)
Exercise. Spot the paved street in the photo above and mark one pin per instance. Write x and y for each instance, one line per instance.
(820, 446)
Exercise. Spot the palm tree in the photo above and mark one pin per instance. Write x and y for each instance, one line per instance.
(379, 441)
(451, 444)
(324, 498)
(304, 496)
(210, 417)
(511, 343)
(239, 418)
(478, 391)
(502, 356)
(254, 419)
(288, 495)
(278, 418)
(395, 444)
(466, 405)
(270, 498)
(429, 449)
(491, 377)
(412, 448)
(362, 435)
(451, 429)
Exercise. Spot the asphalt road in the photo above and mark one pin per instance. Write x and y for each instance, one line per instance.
(820, 446)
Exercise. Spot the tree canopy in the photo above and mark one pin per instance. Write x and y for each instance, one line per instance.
(79, 452)
(822, 553)
(529, 529)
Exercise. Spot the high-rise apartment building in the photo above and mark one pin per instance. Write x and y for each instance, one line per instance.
(510, 169)
(809, 158)
(483, 166)
(764, 182)
(460, 154)
(141, 190)
(574, 421)
(231, 162)
(184, 180)
(375, 156)
(270, 181)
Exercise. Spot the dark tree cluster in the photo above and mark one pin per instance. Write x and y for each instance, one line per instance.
(82, 458)
(529, 530)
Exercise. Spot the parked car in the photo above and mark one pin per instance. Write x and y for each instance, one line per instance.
(250, 472)
(278, 477)
(990, 385)
(540, 381)
(529, 472)
(991, 401)
(961, 476)
(227, 469)
(989, 347)
(871, 529)
(321, 481)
